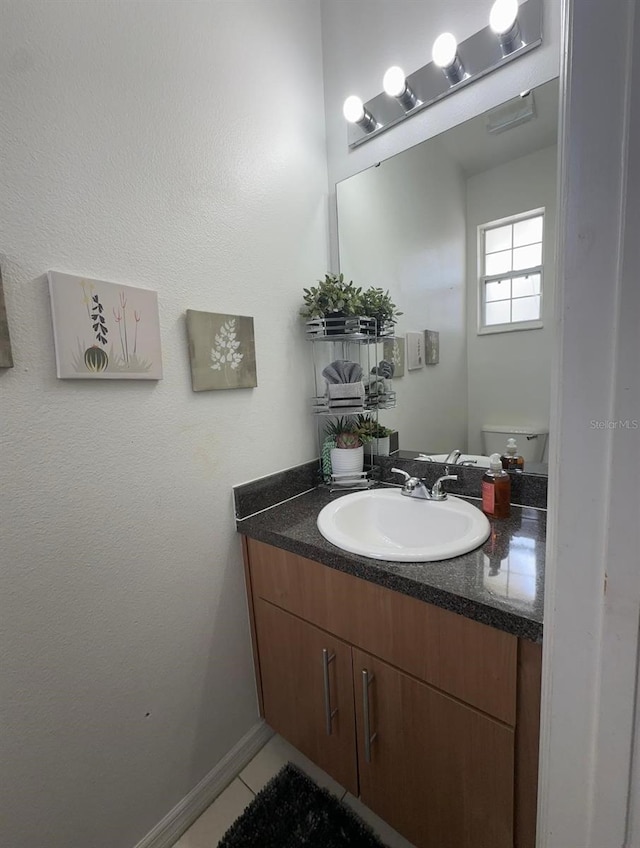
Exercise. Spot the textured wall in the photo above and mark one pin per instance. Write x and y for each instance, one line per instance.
(177, 146)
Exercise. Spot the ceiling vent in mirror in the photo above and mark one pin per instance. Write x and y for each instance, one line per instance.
(512, 114)
(513, 30)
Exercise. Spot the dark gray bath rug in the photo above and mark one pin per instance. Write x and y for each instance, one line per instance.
(292, 812)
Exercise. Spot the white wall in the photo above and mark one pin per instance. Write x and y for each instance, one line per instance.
(178, 146)
(415, 247)
(510, 373)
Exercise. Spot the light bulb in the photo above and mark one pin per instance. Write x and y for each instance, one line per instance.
(445, 50)
(355, 112)
(353, 109)
(503, 16)
(394, 82)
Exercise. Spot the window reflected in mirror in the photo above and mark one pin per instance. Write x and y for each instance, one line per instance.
(511, 271)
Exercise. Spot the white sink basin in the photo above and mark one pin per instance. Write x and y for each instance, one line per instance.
(474, 458)
(384, 524)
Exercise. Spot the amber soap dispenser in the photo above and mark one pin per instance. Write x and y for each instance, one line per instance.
(511, 459)
(496, 489)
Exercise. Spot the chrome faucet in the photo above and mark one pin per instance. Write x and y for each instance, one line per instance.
(416, 487)
(453, 457)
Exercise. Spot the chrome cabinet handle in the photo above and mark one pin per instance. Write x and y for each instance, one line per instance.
(328, 713)
(368, 736)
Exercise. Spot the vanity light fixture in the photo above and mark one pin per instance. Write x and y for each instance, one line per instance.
(445, 56)
(503, 20)
(514, 28)
(395, 85)
(354, 112)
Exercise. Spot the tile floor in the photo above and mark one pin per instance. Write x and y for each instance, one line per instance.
(216, 819)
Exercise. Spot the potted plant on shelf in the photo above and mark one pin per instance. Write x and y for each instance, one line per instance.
(332, 299)
(345, 442)
(377, 303)
(377, 438)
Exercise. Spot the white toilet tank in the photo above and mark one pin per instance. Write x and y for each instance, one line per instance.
(531, 441)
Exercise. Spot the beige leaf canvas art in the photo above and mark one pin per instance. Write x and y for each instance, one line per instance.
(103, 330)
(222, 351)
(431, 347)
(394, 352)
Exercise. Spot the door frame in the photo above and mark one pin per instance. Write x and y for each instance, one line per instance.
(592, 596)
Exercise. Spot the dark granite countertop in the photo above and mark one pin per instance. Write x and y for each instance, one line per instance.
(500, 584)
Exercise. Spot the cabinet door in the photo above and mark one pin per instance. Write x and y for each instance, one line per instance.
(473, 662)
(307, 690)
(439, 772)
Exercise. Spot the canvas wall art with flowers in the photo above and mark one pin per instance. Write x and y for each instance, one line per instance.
(104, 331)
(222, 351)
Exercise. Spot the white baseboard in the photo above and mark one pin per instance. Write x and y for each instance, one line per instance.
(167, 832)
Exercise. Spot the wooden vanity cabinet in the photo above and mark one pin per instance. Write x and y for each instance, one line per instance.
(307, 690)
(430, 717)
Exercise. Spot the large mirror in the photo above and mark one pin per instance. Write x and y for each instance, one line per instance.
(461, 229)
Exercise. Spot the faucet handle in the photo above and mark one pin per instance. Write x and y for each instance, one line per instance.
(411, 484)
(437, 492)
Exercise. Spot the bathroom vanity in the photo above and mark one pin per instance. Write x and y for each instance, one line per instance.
(416, 686)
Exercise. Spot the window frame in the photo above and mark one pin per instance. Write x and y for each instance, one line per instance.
(483, 279)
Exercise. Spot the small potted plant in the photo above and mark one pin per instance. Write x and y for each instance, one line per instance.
(332, 299)
(347, 454)
(377, 438)
(377, 303)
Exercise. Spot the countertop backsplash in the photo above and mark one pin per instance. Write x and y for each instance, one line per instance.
(265, 492)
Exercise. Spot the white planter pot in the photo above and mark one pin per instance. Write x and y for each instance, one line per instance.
(347, 460)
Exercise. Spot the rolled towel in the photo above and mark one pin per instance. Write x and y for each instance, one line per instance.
(384, 369)
(342, 371)
(375, 384)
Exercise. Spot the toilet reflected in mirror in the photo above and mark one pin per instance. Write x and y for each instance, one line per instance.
(531, 443)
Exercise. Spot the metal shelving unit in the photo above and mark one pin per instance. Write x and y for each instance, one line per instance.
(355, 340)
